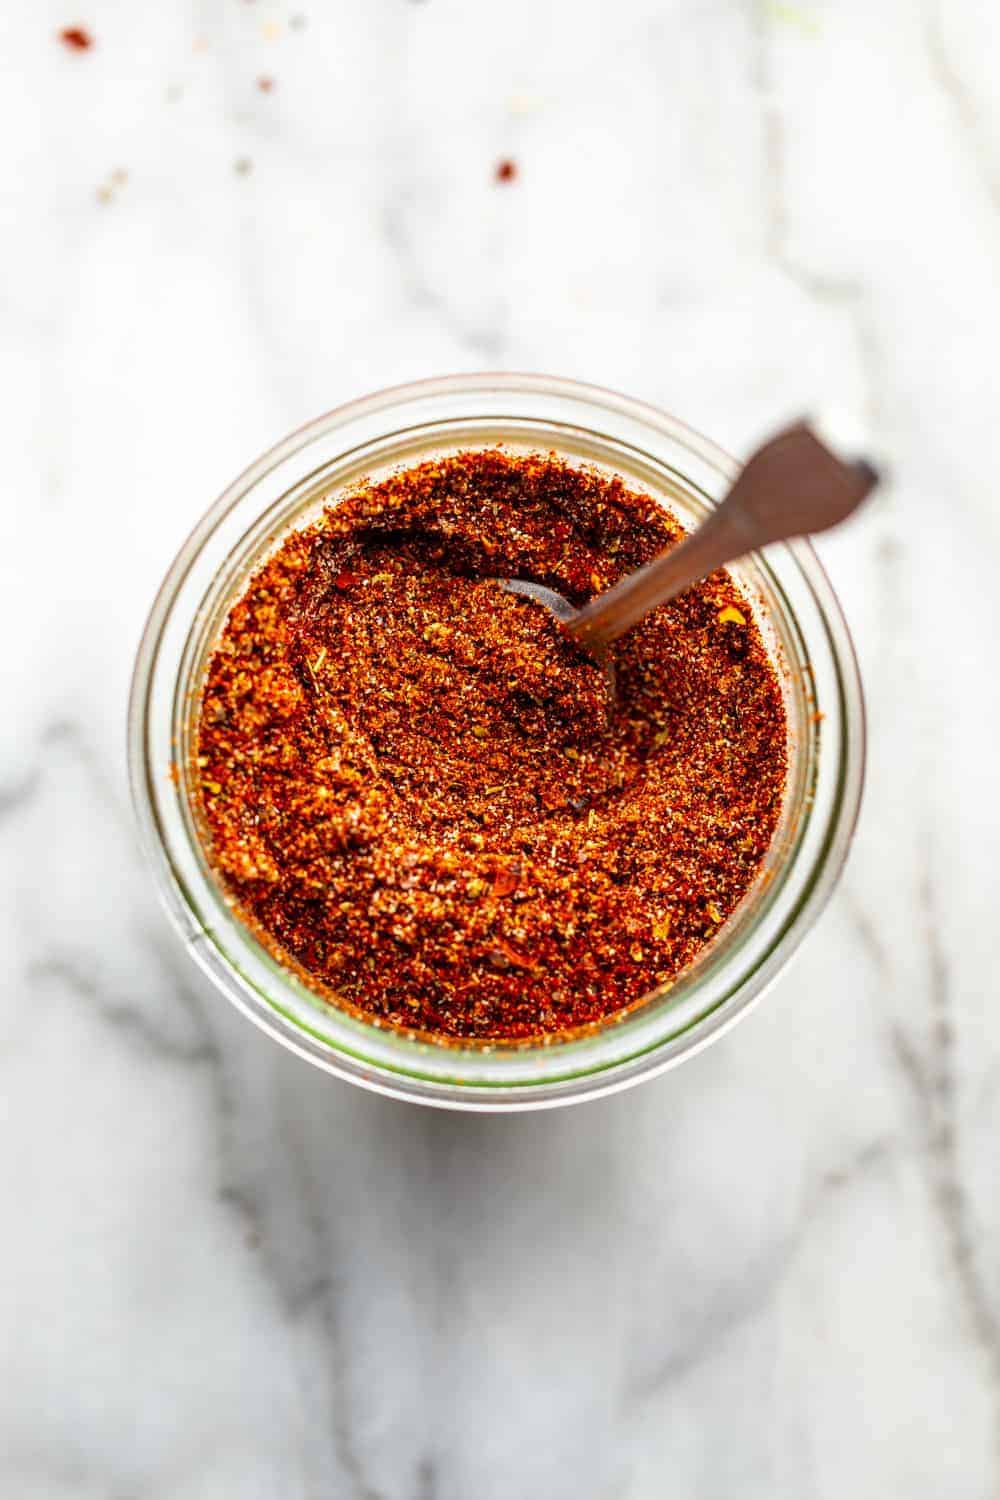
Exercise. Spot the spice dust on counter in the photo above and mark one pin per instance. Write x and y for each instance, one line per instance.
(417, 789)
(76, 38)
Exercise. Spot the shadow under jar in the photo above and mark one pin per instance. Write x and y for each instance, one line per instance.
(794, 608)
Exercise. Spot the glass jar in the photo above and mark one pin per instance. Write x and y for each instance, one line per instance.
(795, 608)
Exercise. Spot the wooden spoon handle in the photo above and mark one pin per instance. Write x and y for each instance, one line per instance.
(792, 486)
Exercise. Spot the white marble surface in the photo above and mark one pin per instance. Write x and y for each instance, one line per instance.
(774, 1273)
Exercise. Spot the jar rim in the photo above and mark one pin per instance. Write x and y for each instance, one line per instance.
(265, 991)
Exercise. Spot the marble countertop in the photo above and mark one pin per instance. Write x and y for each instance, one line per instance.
(772, 1273)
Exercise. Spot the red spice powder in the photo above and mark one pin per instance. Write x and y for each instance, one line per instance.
(76, 38)
(418, 790)
(506, 170)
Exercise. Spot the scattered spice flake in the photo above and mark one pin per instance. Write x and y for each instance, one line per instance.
(817, 717)
(265, 84)
(243, 166)
(731, 615)
(506, 170)
(504, 882)
(406, 828)
(76, 38)
(107, 190)
(504, 955)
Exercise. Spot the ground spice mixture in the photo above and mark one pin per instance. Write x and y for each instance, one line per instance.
(420, 791)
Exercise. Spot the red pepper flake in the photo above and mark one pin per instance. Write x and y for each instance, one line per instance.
(413, 785)
(504, 882)
(506, 170)
(503, 956)
(76, 38)
(266, 85)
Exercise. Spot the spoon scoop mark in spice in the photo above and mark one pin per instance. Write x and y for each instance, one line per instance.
(564, 612)
(793, 486)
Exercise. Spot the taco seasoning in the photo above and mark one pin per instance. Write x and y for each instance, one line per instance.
(421, 795)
